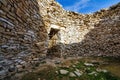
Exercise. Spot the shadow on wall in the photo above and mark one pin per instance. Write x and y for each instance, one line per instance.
(103, 40)
(21, 27)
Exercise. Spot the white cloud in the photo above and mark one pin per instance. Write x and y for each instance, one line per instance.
(77, 6)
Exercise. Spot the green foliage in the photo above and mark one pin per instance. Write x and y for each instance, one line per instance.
(89, 73)
(80, 65)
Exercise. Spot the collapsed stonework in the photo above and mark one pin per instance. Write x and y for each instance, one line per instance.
(30, 30)
(94, 34)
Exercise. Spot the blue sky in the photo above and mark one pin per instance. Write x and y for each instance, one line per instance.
(86, 6)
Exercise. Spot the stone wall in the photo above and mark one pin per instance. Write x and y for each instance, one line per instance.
(103, 39)
(21, 25)
(79, 34)
(23, 36)
(29, 27)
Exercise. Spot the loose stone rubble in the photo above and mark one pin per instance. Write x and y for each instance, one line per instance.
(64, 72)
(32, 29)
(94, 34)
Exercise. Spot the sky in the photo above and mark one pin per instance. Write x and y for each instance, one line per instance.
(86, 6)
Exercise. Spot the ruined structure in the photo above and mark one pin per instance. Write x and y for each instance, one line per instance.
(30, 30)
(94, 34)
(23, 37)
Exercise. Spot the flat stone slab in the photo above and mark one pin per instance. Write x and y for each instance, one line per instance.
(63, 71)
(72, 74)
(88, 64)
(78, 73)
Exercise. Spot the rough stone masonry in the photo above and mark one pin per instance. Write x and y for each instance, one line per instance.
(30, 30)
(23, 37)
(96, 34)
